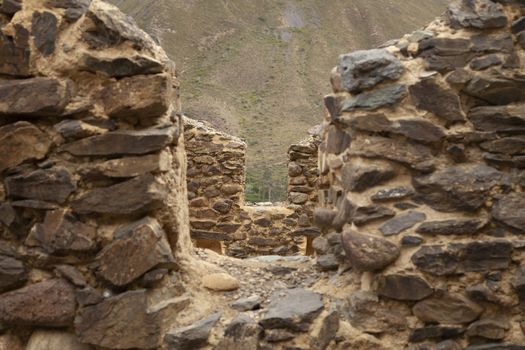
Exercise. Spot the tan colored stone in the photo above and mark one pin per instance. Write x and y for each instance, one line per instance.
(220, 282)
(47, 340)
(10, 342)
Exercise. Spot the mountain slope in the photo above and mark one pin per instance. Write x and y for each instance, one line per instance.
(258, 68)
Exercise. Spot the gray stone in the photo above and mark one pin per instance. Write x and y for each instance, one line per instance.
(367, 252)
(292, 309)
(74, 8)
(360, 177)
(496, 90)
(136, 249)
(518, 283)
(430, 96)
(130, 166)
(76, 129)
(361, 70)
(404, 287)
(52, 185)
(518, 25)
(119, 322)
(510, 210)
(452, 227)
(494, 329)
(14, 50)
(151, 98)
(370, 213)
(62, 233)
(243, 333)
(498, 118)
(20, 142)
(412, 241)
(446, 54)
(121, 66)
(337, 140)
(88, 296)
(298, 198)
(71, 274)
(324, 217)
(33, 97)
(496, 346)
(194, 336)
(418, 129)
(395, 193)
(415, 156)
(46, 304)
(13, 273)
(377, 98)
(328, 330)
(327, 262)
(482, 256)
(278, 335)
(514, 145)
(247, 304)
(436, 260)
(401, 223)
(435, 332)
(485, 62)
(10, 7)
(478, 14)
(44, 28)
(447, 309)
(458, 188)
(122, 143)
(136, 196)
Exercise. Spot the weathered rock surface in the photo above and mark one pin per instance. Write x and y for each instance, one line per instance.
(74, 8)
(361, 70)
(135, 250)
(46, 304)
(33, 97)
(493, 329)
(401, 223)
(247, 304)
(14, 50)
(144, 103)
(130, 166)
(435, 332)
(53, 185)
(447, 309)
(193, 336)
(119, 322)
(508, 145)
(404, 287)
(458, 188)
(368, 315)
(20, 142)
(367, 252)
(122, 66)
(293, 309)
(136, 196)
(452, 227)
(430, 96)
(481, 14)
(498, 118)
(243, 333)
(359, 178)
(371, 100)
(13, 273)
(44, 28)
(122, 143)
(511, 210)
(62, 233)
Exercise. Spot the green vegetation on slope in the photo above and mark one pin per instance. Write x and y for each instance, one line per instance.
(258, 68)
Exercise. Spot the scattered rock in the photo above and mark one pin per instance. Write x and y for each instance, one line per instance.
(401, 223)
(220, 282)
(133, 197)
(367, 252)
(247, 304)
(404, 287)
(447, 309)
(292, 309)
(136, 249)
(191, 337)
(46, 304)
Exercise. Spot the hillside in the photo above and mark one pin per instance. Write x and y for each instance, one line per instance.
(239, 60)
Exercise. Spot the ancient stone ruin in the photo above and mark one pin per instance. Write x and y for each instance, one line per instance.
(419, 193)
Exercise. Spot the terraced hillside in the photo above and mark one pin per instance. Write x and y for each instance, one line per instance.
(240, 60)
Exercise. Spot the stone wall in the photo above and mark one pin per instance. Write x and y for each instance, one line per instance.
(219, 218)
(91, 194)
(422, 182)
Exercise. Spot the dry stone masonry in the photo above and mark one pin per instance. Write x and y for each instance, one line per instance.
(422, 182)
(91, 199)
